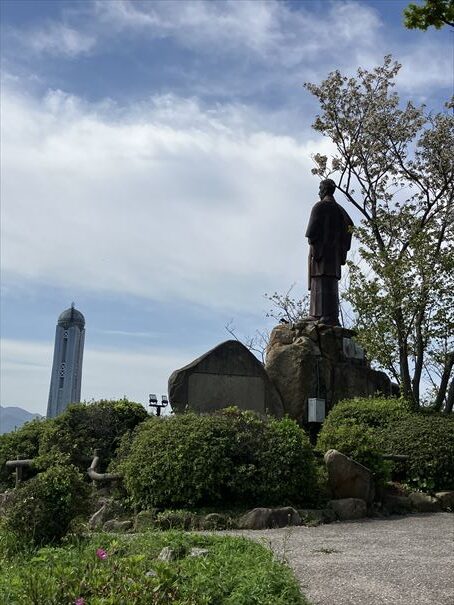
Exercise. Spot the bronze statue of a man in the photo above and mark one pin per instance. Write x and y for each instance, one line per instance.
(329, 235)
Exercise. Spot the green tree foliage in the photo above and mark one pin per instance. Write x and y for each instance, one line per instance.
(432, 12)
(395, 165)
(86, 426)
(230, 457)
(44, 506)
(20, 444)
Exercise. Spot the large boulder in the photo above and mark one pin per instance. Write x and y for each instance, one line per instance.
(266, 518)
(396, 505)
(347, 478)
(446, 500)
(423, 503)
(311, 360)
(349, 509)
(225, 376)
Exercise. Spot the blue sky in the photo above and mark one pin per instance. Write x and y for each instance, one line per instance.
(156, 165)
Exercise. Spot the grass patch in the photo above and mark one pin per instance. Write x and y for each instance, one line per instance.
(235, 571)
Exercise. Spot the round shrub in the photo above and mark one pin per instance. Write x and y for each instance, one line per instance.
(428, 440)
(352, 428)
(44, 506)
(86, 426)
(229, 457)
(374, 412)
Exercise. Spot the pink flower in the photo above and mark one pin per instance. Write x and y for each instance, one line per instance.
(80, 601)
(101, 554)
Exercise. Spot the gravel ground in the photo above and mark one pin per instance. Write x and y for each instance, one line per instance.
(393, 561)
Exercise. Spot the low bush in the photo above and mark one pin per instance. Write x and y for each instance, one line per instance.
(86, 426)
(44, 507)
(236, 457)
(428, 440)
(107, 569)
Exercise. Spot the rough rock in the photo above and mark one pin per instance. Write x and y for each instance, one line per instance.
(349, 508)
(109, 510)
(115, 525)
(198, 552)
(167, 554)
(423, 503)
(151, 573)
(315, 516)
(308, 359)
(227, 375)
(265, 518)
(214, 521)
(347, 478)
(446, 500)
(396, 505)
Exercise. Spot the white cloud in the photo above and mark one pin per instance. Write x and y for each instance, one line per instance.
(55, 39)
(269, 29)
(169, 201)
(107, 373)
(427, 67)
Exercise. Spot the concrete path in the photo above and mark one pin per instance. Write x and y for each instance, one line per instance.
(393, 561)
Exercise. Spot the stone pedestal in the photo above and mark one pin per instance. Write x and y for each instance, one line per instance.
(311, 360)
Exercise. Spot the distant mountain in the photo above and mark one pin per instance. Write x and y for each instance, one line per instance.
(14, 417)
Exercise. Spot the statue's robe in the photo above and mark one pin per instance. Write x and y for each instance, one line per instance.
(329, 235)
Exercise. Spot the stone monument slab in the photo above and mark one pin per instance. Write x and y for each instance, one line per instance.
(225, 376)
(210, 391)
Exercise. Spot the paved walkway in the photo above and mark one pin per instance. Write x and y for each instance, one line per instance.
(394, 561)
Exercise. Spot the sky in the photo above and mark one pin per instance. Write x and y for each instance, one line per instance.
(156, 170)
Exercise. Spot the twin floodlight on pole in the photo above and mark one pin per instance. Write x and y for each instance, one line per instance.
(153, 403)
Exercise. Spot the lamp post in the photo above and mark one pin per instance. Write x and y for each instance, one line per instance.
(153, 403)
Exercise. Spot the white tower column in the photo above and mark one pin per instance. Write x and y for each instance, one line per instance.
(66, 377)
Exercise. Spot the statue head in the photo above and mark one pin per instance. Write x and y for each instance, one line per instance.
(327, 187)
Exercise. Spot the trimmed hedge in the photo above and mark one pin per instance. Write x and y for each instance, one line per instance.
(374, 412)
(428, 440)
(229, 457)
(364, 429)
(86, 426)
